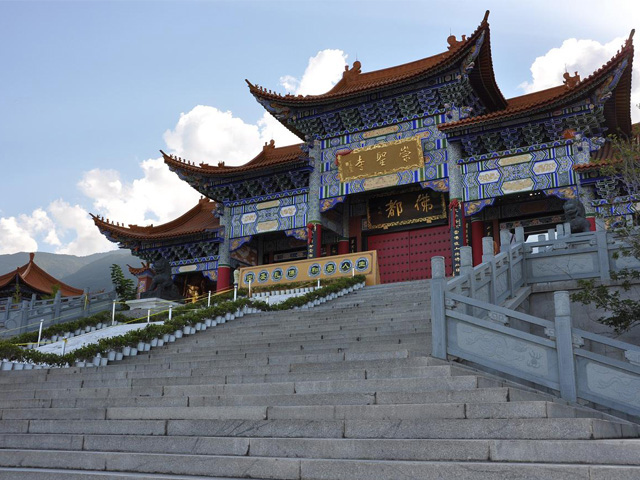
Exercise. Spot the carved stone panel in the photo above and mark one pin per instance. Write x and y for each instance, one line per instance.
(612, 383)
(514, 353)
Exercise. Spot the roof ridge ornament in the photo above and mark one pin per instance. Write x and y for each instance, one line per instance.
(453, 42)
(571, 81)
(349, 75)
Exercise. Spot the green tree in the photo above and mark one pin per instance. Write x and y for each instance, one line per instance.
(125, 289)
(623, 168)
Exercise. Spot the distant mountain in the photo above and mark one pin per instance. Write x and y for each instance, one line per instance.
(92, 271)
(97, 274)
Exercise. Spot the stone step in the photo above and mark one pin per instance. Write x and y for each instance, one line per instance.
(484, 395)
(315, 412)
(497, 429)
(612, 452)
(66, 474)
(303, 468)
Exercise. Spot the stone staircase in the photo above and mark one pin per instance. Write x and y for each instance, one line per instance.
(344, 391)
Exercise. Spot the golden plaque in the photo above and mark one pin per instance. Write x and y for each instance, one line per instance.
(381, 159)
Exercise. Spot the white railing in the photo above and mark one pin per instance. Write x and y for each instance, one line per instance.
(470, 321)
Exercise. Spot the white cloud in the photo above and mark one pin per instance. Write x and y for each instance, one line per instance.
(323, 71)
(158, 197)
(15, 238)
(74, 221)
(204, 134)
(583, 56)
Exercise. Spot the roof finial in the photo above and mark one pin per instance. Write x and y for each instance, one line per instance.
(31, 255)
(486, 17)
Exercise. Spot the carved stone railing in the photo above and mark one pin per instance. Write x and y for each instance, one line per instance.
(17, 318)
(470, 321)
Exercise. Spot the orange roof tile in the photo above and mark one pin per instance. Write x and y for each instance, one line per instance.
(36, 278)
(552, 97)
(269, 157)
(199, 219)
(354, 82)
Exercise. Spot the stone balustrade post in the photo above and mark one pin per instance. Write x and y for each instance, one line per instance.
(57, 306)
(24, 316)
(466, 270)
(519, 234)
(560, 230)
(564, 346)
(8, 309)
(505, 240)
(438, 319)
(488, 256)
(603, 255)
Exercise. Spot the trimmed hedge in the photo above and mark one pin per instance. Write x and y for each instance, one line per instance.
(188, 315)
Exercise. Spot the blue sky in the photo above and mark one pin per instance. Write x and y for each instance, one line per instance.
(90, 89)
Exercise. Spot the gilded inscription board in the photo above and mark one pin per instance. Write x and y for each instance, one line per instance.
(382, 159)
(423, 206)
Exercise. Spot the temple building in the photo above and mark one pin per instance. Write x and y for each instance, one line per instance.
(412, 161)
(30, 279)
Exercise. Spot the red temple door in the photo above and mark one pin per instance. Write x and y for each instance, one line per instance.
(404, 256)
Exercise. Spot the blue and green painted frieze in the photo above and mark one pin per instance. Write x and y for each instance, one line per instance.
(280, 214)
(540, 167)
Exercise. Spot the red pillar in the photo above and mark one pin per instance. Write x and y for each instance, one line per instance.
(592, 222)
(477, 232)
(224, 278)
(343, 247)
(318, 240)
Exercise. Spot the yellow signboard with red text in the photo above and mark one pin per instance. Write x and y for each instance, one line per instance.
(324, 268)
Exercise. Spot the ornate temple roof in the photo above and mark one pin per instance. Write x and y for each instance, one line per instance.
(37, 279)
(354, 82)
(270, 156)
(607, 154)
(617, 100)
(197, 220)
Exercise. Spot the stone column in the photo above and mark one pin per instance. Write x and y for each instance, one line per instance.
(454, 153)
(313, 202)
(224, 255)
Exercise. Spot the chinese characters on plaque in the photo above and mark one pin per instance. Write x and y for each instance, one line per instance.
(381, 159)
(424, 206)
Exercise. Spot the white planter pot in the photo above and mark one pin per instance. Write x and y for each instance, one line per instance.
(126, 351)
(93, 329)
(147, 347)
(70, 335)
(178, 334)
(140, 346)
(111, 355)
(78, 331)
(87, 329)
(154, 342)
(99, 326)
(80, 363)
(134, 352)
(232, 317)
(160, 342)
(104, 362)
(119, 356)
(198, 327)
(165, 337)
(28, 366)
(186, 330)
(18, 366)
(172, 338)
(227, 316)
(208, 322)
(6, 366)
(54, 338)
(96, 361)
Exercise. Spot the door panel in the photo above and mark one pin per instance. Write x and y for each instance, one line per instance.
(407, 255)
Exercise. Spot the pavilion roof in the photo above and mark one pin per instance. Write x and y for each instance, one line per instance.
(354, 82)
(573, 88)
(37, 279)
(197, 220)
(270, 156)
(607, 154)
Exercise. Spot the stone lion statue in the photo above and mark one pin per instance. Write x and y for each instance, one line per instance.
(161, 285)
(576, 216)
